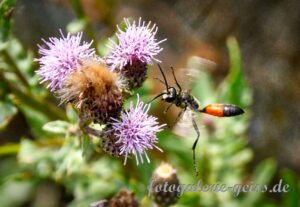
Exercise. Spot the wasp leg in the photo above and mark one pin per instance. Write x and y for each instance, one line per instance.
(167, 109)
(175, 79)
(195, 144)
(177, 118)
(159, 80)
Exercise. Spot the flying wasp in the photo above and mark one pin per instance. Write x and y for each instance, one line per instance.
(186, 101)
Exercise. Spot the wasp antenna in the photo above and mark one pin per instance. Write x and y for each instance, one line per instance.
(159, 95)
(178, 85)
(166, 83)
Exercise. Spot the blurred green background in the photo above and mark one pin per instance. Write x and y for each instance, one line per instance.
(256, 47)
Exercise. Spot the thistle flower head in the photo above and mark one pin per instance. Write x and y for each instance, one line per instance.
(61, 57)
(135, 131)
(136, 43)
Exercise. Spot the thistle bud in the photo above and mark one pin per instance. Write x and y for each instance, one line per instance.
(135, 73)
(165, 173)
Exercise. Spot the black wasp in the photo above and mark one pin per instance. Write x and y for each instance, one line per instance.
(186, 101)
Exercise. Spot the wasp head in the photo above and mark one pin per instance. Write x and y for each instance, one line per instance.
(169, 95)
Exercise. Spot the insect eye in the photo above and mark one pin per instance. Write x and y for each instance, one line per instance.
(171, 90)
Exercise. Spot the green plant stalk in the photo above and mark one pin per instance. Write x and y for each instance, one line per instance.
(76, 4)
(6, 10)
(45, 107)
(16, 69)
(15, 148)
(9, 149)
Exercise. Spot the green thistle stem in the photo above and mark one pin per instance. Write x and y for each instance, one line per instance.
(9, 149)
(16, 69)
(76, 4)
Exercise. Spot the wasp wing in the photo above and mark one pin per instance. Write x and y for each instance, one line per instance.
(184, 126)
(195, 67)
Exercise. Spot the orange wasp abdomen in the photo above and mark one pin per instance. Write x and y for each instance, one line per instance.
(222, 110)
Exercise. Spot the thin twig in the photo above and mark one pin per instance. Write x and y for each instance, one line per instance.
(94, 132)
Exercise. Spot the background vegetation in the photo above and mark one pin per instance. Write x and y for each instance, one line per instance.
(44, 161)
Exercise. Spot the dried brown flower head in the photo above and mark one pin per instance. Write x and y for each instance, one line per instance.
(124, 199)
(95, 92)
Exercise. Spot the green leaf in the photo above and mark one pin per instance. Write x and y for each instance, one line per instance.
(264, 171)
(291, 198)
(83, 21)
(71, 114)
(203, 87)
(9, 197)
(87, 146)
(102, 46)
(21, 98)
(6, 10)
(77, 25)
(7, 112)
(31, 152)
(21, 63)
(57, 127)
(35, 119)
(234, 88)
(241, 157)
(262, 175)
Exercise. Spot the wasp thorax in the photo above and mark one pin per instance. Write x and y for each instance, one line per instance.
(185, 95)
(93, 90)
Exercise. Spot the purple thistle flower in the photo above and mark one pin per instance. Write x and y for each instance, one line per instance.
(62, 57)
(136, 43)
(135, 131)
